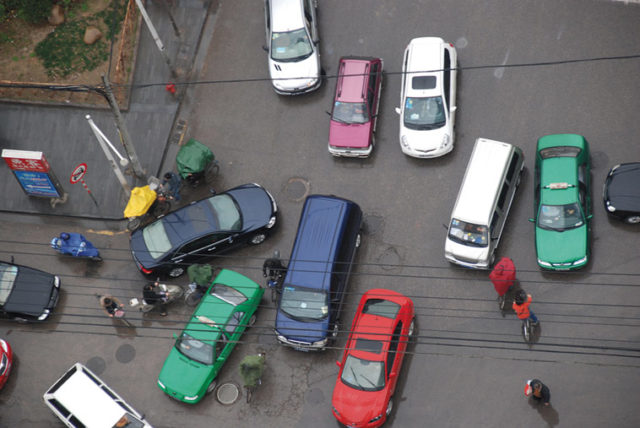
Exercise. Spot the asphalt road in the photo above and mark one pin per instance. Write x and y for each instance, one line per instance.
(469, 364)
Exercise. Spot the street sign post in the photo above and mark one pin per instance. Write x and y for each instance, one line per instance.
(78, 176)
(33, 172)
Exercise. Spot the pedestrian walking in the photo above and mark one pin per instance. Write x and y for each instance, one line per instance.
(521, 307)
(538, 391)
(503, 277)
(114, 308)
(172, 180)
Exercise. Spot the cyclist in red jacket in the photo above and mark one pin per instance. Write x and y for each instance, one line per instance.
(521, 307)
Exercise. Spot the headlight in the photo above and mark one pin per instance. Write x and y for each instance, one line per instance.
(56, 281)
(543, 263)
(404, 141)
(335, 411)
(311, 82)
(582, 260)
(377, 418)
(44, 315)
(610, 208)
(445, 141)
(6, 349)
(272, 222)
(320, 344)
(195, 397)
(161, 385)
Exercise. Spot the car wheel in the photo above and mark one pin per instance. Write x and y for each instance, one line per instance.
(389, 406)
(412, 328)
(258, 239)
(176, 272)
(632, 219)
(212, 386)
(252, 320)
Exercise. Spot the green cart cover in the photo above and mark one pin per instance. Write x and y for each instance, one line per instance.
(193, 157)
(200, 274)
(251, 369)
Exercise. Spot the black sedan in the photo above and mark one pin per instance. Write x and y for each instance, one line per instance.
(205, 228)
(621, 193)
(27, 294)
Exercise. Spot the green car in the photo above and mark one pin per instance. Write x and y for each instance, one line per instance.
(207, 340)
(562, 206)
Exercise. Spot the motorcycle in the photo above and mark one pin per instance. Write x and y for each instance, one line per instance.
(172, 293)
(75, 245)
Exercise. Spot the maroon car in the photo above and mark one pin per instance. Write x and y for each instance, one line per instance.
(355, 107)
(6, 358)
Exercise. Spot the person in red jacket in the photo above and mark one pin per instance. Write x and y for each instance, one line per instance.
(521, 307)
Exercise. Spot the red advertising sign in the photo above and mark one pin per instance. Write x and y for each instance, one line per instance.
(24, 160)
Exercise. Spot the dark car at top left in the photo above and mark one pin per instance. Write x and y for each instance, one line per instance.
(27, 294)
(243, 215)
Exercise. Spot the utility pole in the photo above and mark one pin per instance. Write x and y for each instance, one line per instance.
(156, 38)
(124, 134)
(112, 162)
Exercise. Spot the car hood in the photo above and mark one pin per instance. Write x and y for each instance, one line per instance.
(308, 70)
(307, 332)
(31, 293)
(467, 253)
(561, 247)
(355, 406)
(424, 140)
(623, 191)
(182, 376)
(255, 204)
(349, 135)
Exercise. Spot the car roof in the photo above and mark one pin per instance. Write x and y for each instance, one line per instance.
(425, 59)
(482, 173)
(286, 15)
(189, 222)
(559, 170)
(322, 220)
(352, 79)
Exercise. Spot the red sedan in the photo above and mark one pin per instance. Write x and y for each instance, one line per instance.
(371, 363)
(6, 357)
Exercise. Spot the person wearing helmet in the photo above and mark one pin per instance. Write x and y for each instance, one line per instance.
(521, 306)
(538, 391)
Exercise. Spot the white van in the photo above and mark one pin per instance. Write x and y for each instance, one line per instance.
(80, 399)
(485, 197)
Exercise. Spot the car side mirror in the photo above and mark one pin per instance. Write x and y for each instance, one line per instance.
(532, 220)
(445, 226)
(12, 259)
(265, 48)
(590, 216)
(454, 108)
(175, 335)
(339, 364)
(328, 112)
(398, 110)
(316, 41)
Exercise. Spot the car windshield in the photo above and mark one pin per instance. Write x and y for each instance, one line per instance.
(470, 234)
(195, 349)
(424, 113)
(8, 274)
(304, 303)
(156, 239)
(560, 217)
(226, 212)
(290, 46)
(129, 421)
(559, 151)
(350, 112)
(363, 374)
(382, 308)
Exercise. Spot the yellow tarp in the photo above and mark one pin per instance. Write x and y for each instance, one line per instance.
(140, 201)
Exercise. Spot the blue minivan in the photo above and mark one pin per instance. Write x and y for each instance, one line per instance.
(316, 280)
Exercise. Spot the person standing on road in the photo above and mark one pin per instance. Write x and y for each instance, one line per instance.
(521, 307)
(538, 391)
(172, 180)
(153, 295)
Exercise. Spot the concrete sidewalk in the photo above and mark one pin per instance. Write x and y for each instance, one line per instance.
(65, 138)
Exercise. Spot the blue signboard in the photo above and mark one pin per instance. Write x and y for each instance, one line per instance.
(37, 183)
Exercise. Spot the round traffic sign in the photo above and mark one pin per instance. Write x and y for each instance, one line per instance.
(78, 173)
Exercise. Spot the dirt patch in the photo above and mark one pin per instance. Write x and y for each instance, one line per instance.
(19, 65)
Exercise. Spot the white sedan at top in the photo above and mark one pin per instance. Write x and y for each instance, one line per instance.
(428, 98)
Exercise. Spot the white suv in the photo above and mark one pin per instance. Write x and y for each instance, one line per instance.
(428, 98)
(292, 43)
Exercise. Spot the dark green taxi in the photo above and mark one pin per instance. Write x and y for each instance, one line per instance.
(216, 326)
(562, 202)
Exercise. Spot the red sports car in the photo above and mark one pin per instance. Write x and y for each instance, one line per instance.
(381, 330)
(6, 357)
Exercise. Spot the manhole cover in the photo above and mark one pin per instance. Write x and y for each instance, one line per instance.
(96, 365)
(125, 353)
(297, 189)
(390, 259)
(228, 393)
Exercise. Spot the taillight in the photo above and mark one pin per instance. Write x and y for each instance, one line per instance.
(145, 271)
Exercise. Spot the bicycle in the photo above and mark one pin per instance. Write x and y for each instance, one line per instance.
(528, 329)
(251, 369)
(274, 271)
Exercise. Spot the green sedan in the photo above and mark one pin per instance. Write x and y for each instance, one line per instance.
(562, 206)
(216, 326)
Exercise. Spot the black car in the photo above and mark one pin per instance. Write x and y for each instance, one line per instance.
(621, 193)
(27, 294)
(243, 215)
